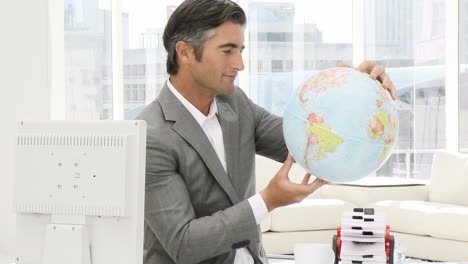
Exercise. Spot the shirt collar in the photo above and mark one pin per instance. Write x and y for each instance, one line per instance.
(199, 116)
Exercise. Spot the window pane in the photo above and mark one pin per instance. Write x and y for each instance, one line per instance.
(88, 60)
(291, 40)
(463, 79)
(144, 57)
(429, 69)
(408, 38)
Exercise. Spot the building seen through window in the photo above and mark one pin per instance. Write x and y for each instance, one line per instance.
(408, 38)
(88, 60)
(288, 41)
(286, 45)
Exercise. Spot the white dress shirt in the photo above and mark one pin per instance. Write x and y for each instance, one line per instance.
(212, 129)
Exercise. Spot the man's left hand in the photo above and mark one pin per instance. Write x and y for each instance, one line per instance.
(376, 72)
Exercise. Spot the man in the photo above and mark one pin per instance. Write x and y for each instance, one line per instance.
(203, 134)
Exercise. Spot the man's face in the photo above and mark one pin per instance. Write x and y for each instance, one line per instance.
(221, 60)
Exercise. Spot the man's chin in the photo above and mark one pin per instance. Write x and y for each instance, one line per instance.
(229, 89)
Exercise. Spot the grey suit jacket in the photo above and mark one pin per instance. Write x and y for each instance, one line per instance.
(194, 210)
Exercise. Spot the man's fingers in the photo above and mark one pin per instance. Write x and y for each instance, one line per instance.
(377, 71)
(392, 90)
(388, 84)
(287, 164)
(366, 66)
(317, 183)
(384, 79)
(345, 65)
(371, 68)
(306, 179)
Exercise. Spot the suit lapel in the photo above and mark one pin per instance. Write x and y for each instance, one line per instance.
(188, 128)
(229, 121)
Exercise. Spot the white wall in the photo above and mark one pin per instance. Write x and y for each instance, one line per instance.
(24, 79)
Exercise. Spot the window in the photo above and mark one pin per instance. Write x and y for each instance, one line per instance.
(144, 56)
(276, 65)
(291, 39)
(288, 41)
(438, 19)
(408, 38)
(127, 90)
(87, 33)
(463, 77)
(141, 92)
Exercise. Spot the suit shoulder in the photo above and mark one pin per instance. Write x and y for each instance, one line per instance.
(158, 128)
(150, 112)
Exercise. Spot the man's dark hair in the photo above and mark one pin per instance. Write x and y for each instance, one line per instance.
(193, 22)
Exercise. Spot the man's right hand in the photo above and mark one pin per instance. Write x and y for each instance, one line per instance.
(281, 191)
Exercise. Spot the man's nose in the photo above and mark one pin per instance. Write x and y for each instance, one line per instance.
(238, 63)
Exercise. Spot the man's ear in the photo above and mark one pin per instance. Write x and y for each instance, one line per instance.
(184, 51)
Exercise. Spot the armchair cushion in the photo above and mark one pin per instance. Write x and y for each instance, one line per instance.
(449, 178)
(448, 222)
(310, 214)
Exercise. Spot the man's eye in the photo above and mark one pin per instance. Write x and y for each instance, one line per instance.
(227, 51)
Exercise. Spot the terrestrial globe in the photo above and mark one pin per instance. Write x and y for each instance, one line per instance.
(340, 125)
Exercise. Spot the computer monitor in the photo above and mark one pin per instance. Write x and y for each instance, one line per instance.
(79, 192)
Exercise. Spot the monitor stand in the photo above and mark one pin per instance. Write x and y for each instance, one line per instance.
(67, 241)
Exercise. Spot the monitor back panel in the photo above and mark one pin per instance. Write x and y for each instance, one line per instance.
(92, 170)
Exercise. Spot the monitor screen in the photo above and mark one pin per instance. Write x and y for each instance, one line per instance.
(79, 191)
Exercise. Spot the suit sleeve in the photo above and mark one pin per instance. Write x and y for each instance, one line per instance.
(170, 214)
(269, 139)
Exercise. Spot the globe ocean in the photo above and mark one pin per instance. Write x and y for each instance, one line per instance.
(341, 125)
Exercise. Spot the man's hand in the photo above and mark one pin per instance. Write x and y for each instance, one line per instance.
(376, 72)
(281, 191)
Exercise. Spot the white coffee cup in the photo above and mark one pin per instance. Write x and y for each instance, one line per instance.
(308, 253)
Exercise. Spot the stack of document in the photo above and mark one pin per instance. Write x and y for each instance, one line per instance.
(363, 234)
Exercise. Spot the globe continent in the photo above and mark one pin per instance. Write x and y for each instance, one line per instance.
(341, 125)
